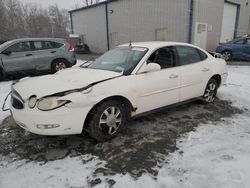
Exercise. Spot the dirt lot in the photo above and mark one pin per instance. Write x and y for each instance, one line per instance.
(141, 147)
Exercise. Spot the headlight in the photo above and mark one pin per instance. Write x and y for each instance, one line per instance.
(50, 103)
(32, 101)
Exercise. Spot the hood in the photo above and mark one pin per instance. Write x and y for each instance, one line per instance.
(69, 79)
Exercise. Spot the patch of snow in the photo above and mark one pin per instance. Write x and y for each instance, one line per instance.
(212, 156)
(69, 172)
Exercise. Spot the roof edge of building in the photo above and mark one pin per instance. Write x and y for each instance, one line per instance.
(91, 6)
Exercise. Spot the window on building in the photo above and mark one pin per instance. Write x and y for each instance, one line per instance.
(165, 57)
(188, 55)
(161, 34)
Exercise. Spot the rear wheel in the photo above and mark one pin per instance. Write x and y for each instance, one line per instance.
(227, 55)
(210, 91)
(58, 65)
(107, 120)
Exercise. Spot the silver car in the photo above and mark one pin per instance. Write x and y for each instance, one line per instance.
(35, 55)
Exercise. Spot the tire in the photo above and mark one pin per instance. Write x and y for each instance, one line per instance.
(227, 55)
(1, 75)
(107, 120)
(210, 91)
(58, 65)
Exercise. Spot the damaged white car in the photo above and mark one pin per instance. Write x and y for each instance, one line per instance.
(102, 95)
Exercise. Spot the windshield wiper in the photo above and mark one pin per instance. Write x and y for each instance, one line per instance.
(85, 64)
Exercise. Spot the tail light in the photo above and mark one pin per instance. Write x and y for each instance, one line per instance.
(71, 48)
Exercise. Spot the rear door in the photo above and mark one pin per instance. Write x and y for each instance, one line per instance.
(20, 57)
(194, 70)
(45, 52)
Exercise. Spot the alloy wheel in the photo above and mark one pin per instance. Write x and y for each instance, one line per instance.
(110, 120)
(227, 55)
(60, 66)
(210, 92)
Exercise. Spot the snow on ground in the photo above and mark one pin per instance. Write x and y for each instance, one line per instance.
(212, 156)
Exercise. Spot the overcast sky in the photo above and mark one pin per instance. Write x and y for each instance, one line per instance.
(67, 4)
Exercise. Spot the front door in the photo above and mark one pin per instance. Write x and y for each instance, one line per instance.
(160, 88)
(20, 57)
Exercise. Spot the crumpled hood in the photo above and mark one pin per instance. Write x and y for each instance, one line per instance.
(69, 79)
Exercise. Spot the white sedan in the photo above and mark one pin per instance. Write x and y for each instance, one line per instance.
(102, 95)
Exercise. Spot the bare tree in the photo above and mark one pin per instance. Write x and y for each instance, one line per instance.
(28, 20)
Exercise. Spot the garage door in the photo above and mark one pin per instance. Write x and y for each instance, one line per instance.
(228, 22)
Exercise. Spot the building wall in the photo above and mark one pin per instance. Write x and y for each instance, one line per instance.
(244, 16)
(211, 12)
(91, 23)
(137, 20)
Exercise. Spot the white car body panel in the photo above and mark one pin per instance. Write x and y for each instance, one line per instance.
(145, 91)
(64, 80)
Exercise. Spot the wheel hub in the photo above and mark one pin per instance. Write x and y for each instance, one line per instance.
(110, 120)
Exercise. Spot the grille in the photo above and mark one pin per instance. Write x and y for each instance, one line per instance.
(16, 101)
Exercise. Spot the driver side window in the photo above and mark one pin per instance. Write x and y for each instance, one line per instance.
(20, 47)
(165, 57)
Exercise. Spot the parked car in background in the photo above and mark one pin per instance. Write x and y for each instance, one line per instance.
(33, 55)
(129, 80)
(236, 49)
(79, 44)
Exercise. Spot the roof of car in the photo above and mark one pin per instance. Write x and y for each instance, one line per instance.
(37, 39)
(156, 44)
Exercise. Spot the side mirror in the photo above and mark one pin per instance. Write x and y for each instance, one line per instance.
(151, 67)
(7, 53)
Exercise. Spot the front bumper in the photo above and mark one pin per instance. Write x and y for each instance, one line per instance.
(68, 120)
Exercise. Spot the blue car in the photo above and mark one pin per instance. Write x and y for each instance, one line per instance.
(238, 48)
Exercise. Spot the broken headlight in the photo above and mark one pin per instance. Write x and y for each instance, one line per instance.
(32, 101)
(50, 103)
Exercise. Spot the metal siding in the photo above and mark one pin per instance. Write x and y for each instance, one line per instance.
(136, 20)
(210, 12)
(92, 23)
(244, 15)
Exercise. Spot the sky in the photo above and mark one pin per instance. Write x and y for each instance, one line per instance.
(66, 4)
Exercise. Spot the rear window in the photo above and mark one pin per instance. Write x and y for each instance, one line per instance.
(202, 55)
(188, 55)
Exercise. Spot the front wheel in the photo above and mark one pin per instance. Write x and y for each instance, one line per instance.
(210, 91)
(107, 120)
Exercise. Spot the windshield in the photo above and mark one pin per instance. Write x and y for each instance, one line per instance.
(122, 59)
(3, 45)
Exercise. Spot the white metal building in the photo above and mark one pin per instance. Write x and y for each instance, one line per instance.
(202, 22)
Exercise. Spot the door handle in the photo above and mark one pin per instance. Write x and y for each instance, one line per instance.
(53, 52)
(28, 55)
(205, 69)
(172, 76)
